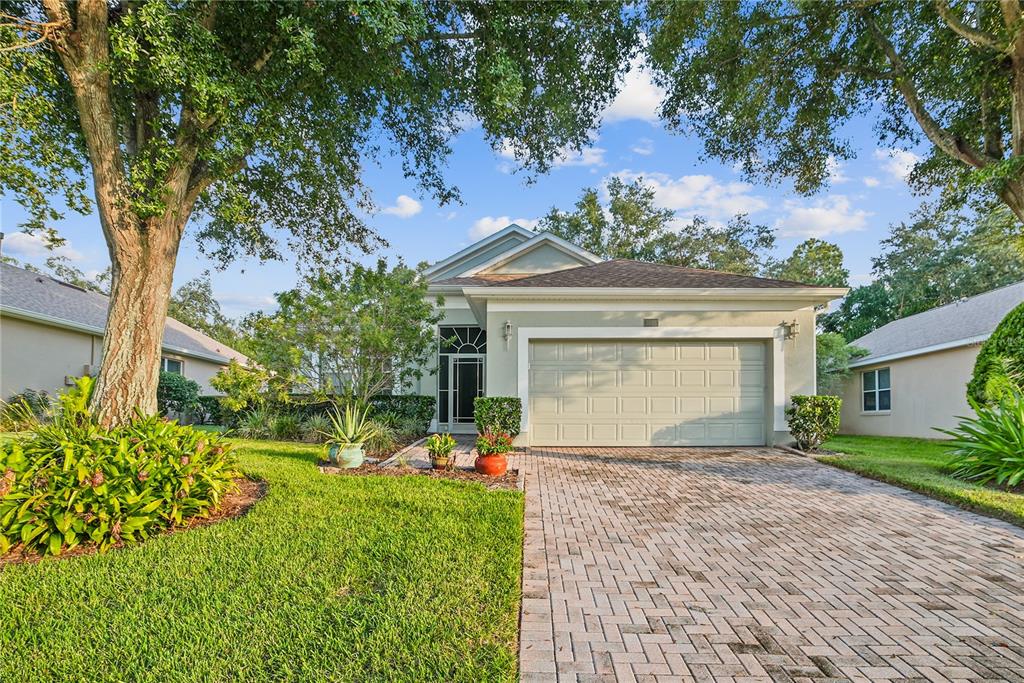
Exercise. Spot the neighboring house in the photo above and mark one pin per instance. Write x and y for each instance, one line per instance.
(916, 375)
(618, 353)
(51, 331)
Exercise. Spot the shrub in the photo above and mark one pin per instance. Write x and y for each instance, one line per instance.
(285, 427)
(383, 439)
(72, 482)
(255, 424)
(25, 410)
(411, 407)
(493, 443)
(208, 411)
(1002, 351)
(498, 413)
(989, 448)
(176, 394)
(314, 426)
(813, 420)
(242, 386)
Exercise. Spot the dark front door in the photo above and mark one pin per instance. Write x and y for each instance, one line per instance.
(467, 383)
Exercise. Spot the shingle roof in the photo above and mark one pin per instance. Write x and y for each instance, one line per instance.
(963, 320)
(478, 280)
(43, 295)
(638, 274)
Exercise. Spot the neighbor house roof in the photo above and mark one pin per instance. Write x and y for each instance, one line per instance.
(41, 298)
(625, 273)
(968, 321)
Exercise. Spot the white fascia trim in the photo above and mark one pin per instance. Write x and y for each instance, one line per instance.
(650, 306)
(812, 294)
(511, 229)
(52, 321)
(527, 334)
(538, 240)
(875, 360)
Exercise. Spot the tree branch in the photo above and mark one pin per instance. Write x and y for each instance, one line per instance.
(26, 26)
(972, 35)
(954, 146)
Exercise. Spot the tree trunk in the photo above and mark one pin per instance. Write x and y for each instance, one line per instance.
(142, 270)
(1012, 195)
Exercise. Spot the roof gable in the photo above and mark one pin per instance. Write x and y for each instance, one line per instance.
(544, 253)
(481, 251)
(962, 322)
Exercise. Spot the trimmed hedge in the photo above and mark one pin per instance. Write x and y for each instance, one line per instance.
(498, 414)
(813, 419)
(412, 407)
(1005, 346)
(176, 393)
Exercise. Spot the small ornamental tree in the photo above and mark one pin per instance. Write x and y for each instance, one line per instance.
(243, 387)
(229, 117)
(999, 366)
(813, 420)
(176, 393)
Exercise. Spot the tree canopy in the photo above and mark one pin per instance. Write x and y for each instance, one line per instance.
(258, 116)
(769, 85)
(195, 305)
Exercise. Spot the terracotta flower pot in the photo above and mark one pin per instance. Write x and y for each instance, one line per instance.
(492, 465)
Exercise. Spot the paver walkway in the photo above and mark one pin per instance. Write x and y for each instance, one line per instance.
(757, 565)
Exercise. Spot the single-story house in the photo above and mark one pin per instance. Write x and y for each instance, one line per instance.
(619, 352)
(51, 331)
(915, 376)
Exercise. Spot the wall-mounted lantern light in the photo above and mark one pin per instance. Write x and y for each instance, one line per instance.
(790, 329)
(508, 333)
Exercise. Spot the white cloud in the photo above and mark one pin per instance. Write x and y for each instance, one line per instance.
(405, 207)
(488, 225)
(703, 195)
(833, 215)
(28, 246)
(643, 146)
(639, 98)
(589, 156)
(835, 171)
(898, 163)
(872, 181)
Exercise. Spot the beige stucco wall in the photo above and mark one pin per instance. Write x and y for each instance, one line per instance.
(927, 391)
(37, 356)
(502, 359)
(543, 259)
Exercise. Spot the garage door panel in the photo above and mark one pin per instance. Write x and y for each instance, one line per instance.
(647, 393)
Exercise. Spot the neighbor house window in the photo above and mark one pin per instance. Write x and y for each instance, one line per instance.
(170, 365)
(877, 390)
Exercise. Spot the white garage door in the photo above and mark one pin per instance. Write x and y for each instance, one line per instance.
(640, 393)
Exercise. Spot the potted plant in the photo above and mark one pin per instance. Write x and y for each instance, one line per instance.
(440, 447)
(349, 430)
(491, 447)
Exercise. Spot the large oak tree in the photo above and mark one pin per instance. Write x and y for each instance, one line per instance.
(768, 84)
(250, 120)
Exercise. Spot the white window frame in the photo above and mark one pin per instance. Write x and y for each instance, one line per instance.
(877, 391)
(163, 365)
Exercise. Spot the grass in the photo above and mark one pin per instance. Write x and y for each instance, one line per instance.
(919, 465)
(327, 578)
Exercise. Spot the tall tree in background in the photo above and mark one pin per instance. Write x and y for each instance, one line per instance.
(194, 304)
(813, 262)
(737, 247)
(251, 114)
(936, 260)
(768, 85)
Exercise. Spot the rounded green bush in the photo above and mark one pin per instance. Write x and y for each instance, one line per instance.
(1004, 347)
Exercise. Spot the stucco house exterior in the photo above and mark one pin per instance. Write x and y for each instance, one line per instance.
(915, 377)
(618, 353)
(51, 331)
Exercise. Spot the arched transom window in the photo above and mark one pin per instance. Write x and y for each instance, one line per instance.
(461, 339)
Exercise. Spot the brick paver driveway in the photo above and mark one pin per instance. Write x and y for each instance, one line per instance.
(753, 564)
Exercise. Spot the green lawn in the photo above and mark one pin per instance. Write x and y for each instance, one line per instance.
(327, 578)
(917, 464)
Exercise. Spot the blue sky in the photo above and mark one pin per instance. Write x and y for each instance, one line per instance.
(865, 196)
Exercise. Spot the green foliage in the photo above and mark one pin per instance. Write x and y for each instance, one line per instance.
(798, 72)
(350, 425)
(493, 442)
(285, 426)
(999, 361)
(498, 413)
(938, 259)
(72, 482)
(195, 305)
(989, 448)
(314, 426)
(243, 387)
(410, 410)
(176, 393)
(383, 439)
(208, 411)
(440, 445)
(353, 333)
(25, 410)
(813, 262)
(255, 423)
(833, 356)
(813, 419)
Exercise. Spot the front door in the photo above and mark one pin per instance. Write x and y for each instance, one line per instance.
(461, 353)
(467, 383)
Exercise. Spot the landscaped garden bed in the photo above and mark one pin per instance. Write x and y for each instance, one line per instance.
(509, 480)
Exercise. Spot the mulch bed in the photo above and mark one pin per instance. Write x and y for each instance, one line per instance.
(232, 506)
(504, 482)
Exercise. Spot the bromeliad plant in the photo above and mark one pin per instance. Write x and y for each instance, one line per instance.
(440, 447)
(989, 448)
(72, 482)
